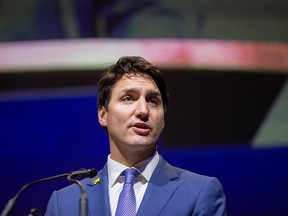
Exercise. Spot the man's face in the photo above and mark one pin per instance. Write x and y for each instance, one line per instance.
(135, 115)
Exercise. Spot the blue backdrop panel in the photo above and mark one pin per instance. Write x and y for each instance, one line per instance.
(49, 136)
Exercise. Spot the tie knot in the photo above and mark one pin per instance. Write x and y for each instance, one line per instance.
(130, 175)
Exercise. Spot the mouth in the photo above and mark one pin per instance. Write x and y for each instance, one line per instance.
(141, 129)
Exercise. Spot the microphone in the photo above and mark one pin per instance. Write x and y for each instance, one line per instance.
(82, 173)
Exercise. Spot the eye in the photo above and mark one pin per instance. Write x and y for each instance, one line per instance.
(154, 101)
(127, 98)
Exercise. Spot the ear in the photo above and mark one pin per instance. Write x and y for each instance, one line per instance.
(102, 116)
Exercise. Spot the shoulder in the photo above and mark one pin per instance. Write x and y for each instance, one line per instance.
(204, 194)
(190, 180)
(181, 173)
(65, 201)
(194, 180)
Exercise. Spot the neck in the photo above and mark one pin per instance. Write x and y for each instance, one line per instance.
(131, 157)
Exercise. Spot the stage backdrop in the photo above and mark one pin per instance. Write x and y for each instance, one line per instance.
(49, 126)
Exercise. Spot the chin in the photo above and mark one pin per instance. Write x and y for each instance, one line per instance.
(145, 140)
(143, 143)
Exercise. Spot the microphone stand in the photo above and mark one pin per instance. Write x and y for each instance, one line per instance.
(11, 203)
(83, 201)
(7, 211)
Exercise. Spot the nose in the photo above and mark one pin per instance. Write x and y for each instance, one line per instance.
(142, 110)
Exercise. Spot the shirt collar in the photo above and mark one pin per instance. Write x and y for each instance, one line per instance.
(145, 167)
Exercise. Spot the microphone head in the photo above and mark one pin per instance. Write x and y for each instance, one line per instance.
(92, 172)
(84, 173)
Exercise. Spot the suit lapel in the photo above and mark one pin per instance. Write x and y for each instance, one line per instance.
(159, 190)
(97, 193)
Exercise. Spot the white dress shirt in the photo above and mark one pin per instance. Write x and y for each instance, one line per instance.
(116, 181)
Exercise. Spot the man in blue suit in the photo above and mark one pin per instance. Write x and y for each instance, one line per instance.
(132, 101)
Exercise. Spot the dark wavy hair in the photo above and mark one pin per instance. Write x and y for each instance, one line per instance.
(129, 65)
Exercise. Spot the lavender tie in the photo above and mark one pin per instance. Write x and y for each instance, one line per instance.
(127, 201)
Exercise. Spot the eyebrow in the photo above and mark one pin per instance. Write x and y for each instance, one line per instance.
(149, 92)
(154, 93)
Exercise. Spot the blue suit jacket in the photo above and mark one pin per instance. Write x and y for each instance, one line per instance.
(171, 191)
